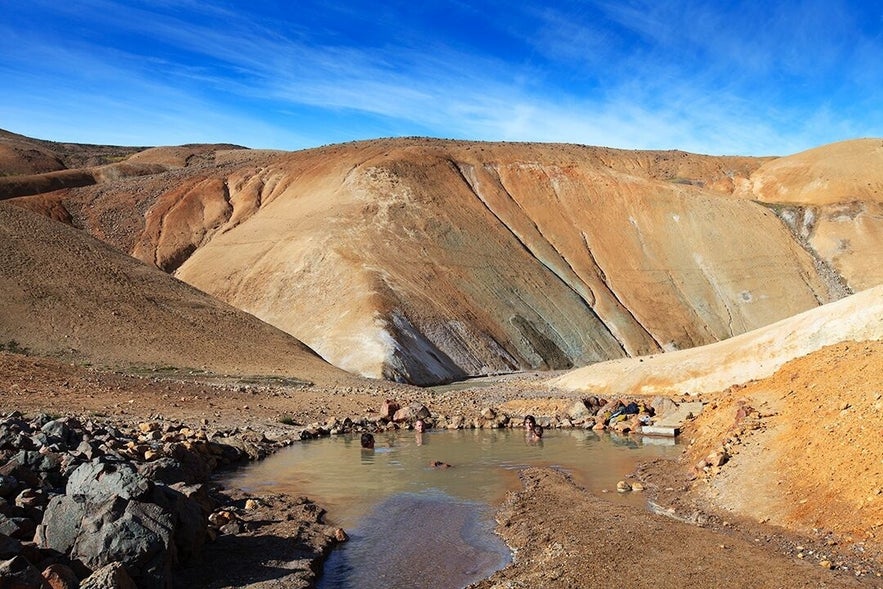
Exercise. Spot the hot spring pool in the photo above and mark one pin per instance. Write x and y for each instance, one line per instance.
(414, 524)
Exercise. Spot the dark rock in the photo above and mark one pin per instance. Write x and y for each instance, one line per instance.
(112, 576)
(18, 573)
(64, 432)
(22, 528)
(20, 471)
(139, 535)
(59, 576)
(89, 450)
(189, 520)
(8, 486)
(99, 480)
(62, 521)
(9, 547)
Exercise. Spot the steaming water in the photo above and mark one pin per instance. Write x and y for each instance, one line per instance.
(411, 524)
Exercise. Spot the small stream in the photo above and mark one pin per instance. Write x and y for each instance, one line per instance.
(413, 524)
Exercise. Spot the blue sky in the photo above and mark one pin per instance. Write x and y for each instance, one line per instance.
(711, 77)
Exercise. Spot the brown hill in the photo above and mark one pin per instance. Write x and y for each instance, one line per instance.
(68, 295)
(426, 260)
(32, 166)
(832, 198)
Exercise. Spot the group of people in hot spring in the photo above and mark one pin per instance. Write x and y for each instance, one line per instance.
(532, 431)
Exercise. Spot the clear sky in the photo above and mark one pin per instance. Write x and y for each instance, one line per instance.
(725, 77)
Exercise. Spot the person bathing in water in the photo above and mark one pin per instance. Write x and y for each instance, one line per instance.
(367, 441)
(529, 423)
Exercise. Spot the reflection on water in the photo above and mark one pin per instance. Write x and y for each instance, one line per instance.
(406, 517)
(418, 540)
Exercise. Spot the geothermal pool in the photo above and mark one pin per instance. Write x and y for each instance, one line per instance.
(413, 524)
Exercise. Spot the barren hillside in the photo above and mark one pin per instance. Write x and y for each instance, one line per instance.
(832, 198)
(738, 360)
(426, 260)
(68, 295)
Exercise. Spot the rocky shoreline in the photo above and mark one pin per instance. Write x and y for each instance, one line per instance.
(120, 504)
(97, 505)
(87, 503)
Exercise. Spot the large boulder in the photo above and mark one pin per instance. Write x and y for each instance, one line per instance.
(139, 535)
(97, 480)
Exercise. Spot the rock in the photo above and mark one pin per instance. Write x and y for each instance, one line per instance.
(148, 427)
(9, 547)
(137, 534)
(61, 523)
(404, 414)
(66, 433)
(8, 486)
(389, 409)
(16, 468)
(623, 487)
(456, 422)
(18, 573)
(188, 518)
(30, 499)
(488, 413)
(663, 405)
(578, 410)
(112, 576)
(22, 528)
(99, 480)
(637, 487)
(340, 535)
(717, 458)
(59, 576)
(251, 504)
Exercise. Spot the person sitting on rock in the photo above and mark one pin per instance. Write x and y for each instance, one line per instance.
(367, 441)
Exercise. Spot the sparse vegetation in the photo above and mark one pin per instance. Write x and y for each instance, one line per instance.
(287, 420)
(14, 347)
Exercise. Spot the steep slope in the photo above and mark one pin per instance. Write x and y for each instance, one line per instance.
(750, 356)
(832, 199)
(437, 260)
(69, 295)
(809, 458)
(427, 260)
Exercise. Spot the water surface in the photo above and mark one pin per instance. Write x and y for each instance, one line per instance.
(411, 523)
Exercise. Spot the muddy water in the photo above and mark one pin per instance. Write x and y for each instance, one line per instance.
(413, 524)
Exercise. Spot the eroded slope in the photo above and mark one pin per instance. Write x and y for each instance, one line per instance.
(68, 295)
(427, 260)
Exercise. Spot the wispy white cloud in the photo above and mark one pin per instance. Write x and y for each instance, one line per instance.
(637, 74)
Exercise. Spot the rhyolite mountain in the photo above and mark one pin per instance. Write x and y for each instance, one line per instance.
(426, 260)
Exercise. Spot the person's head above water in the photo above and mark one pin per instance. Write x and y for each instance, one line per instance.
(529, 422)
(537, 431)
(420, 425)
(367, 441)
